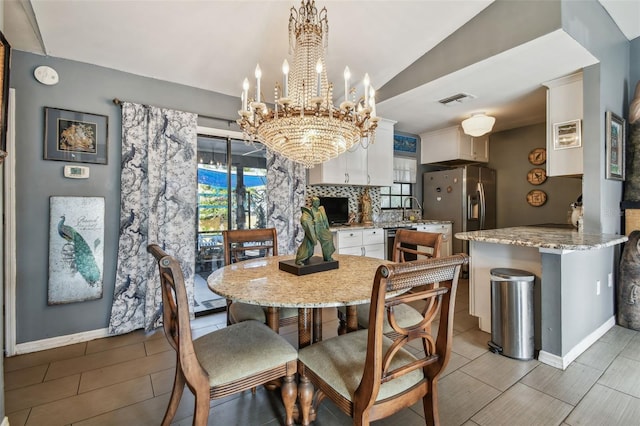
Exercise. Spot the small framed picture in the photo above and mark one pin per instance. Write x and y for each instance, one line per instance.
(567, 135)
(75, 136)
(405, 144)
(614, 146)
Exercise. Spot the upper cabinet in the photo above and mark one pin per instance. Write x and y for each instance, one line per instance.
(564, 118)
(379, 166)
(452, 145)
(367, 167)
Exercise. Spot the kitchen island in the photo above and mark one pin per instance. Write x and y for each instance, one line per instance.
(574, 291)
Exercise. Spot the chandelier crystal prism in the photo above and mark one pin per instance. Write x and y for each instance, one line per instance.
(304, 125)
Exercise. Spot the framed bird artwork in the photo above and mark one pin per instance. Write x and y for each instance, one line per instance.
(76, 249)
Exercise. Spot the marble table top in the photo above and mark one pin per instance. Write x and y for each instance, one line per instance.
(540, 236)
(261, 282)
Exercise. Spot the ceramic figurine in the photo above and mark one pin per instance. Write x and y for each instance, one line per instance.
(629, 284)
(366, 208)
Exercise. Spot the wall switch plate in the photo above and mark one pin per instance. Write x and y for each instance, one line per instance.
(610, 279)
(598, 288)
(76, 172)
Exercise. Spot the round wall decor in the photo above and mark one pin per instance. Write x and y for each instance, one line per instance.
(46, 75)
(536, 198)
(537, 176)
(538, 156)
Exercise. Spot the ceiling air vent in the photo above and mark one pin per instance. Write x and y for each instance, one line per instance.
(456, 99)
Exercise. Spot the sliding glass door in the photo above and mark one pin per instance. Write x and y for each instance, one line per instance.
(232, 186)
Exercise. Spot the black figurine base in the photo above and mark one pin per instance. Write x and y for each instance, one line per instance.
(313, 265)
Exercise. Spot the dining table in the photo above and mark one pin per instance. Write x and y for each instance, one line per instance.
(261, 282)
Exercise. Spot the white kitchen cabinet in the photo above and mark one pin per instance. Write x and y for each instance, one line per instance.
(360, 166)
(349, 168)
(564, 103)
(451, 144)
(379, 169)
(360, 242)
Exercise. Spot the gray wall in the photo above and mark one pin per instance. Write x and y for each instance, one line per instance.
(509, 152)
(606, 87)
(91, 89)
(634, 72)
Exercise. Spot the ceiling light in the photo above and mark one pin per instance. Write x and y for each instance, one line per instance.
(478, 124)
(304, 125)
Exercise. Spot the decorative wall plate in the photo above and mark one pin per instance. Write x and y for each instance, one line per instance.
(537, 176)
(538, 156)
(536, 198)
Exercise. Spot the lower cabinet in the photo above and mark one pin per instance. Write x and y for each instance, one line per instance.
(360, 242)
(445, 230)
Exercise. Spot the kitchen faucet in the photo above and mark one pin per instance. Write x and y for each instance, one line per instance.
(404, 208)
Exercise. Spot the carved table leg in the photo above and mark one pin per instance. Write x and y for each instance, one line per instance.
(273, 318)
(305, 396)
(352, 319)
(289, 392)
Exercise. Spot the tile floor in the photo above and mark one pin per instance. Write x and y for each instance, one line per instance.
(126, 380)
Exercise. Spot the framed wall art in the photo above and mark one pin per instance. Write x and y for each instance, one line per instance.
(5, 62)
(405, 144)
(76, 249)
(75, 136)
(614, 146)
(567, 135)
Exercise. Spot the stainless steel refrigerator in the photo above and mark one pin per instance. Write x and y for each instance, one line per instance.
(465, 195)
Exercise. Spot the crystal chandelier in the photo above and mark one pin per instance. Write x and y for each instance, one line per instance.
(304, 125)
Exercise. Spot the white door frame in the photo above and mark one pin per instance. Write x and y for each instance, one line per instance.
(10, 231)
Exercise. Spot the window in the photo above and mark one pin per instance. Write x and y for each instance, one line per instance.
(392, 197)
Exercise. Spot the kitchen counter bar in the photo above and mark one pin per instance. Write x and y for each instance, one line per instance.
(574, 289)
(544, 237)
(390, 224)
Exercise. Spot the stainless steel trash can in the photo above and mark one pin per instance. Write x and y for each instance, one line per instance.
(512, 318)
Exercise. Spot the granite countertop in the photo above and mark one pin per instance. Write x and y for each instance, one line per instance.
(261, 282)
(391, 224)
(544, 237)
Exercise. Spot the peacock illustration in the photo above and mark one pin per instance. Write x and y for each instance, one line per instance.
(78, 253)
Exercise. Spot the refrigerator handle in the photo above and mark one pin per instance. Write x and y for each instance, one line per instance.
(482, 204)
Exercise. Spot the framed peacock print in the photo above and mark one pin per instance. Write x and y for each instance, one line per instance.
(75, 136)
(76, 249)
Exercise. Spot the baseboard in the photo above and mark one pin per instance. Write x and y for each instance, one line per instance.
(56, 342)
(563, 362)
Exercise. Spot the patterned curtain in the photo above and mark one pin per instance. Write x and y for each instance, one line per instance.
(285, 197)
(158, 205)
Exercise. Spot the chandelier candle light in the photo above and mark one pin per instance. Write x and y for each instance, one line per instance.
(304, 126)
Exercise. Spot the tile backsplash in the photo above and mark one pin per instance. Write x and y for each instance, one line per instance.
(354, 193)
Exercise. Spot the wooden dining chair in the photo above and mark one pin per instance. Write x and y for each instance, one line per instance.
(225, 361)
(370, 376)
(243, 244)
(407, 246)
(417, 244)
